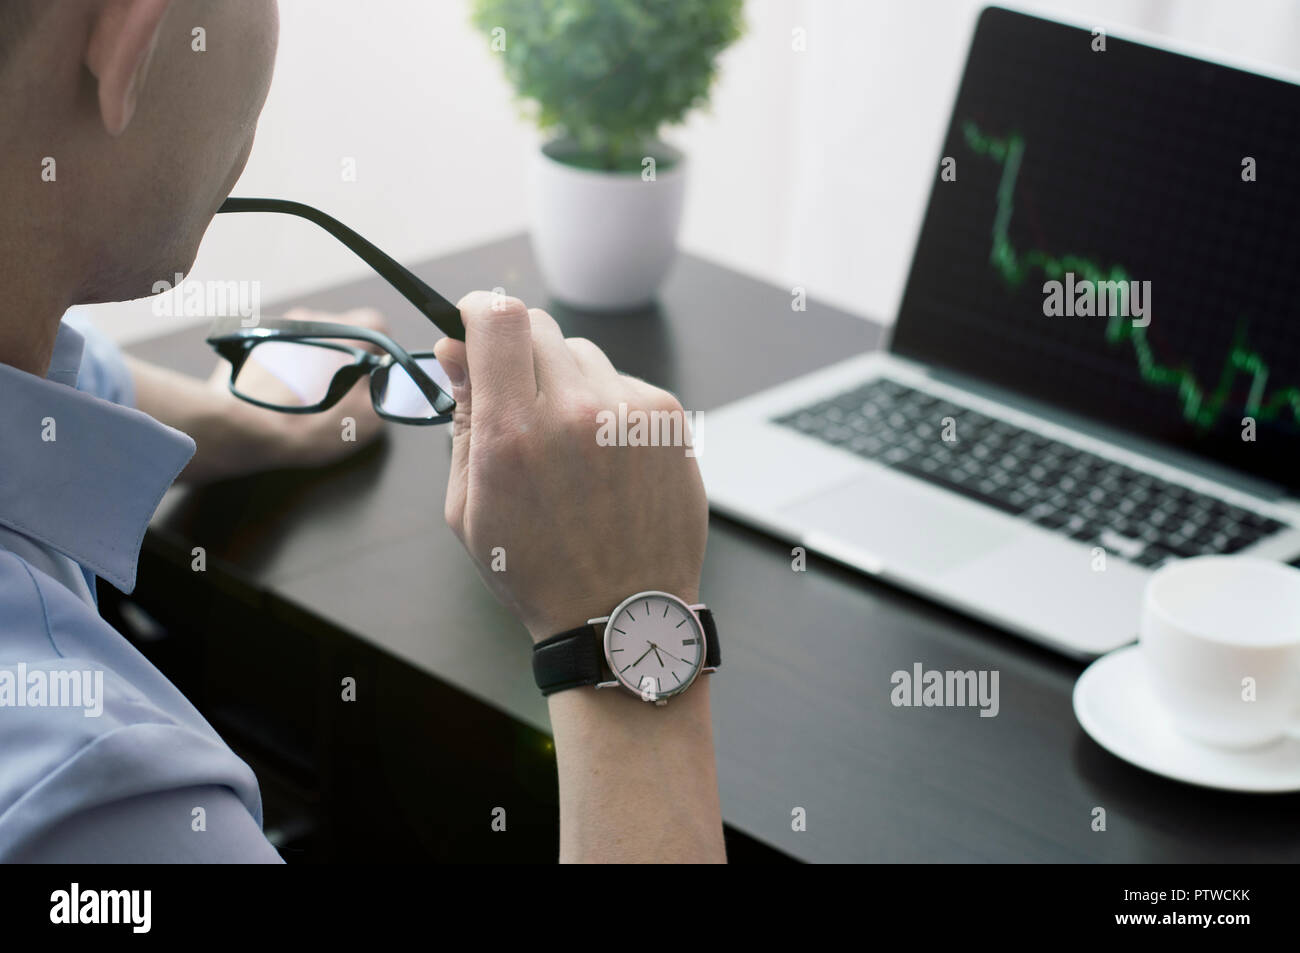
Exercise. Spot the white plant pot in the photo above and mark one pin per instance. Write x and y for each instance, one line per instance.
(605, 240)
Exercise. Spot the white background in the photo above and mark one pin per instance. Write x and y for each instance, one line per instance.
(809, 168)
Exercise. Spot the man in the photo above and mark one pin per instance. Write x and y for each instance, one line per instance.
(148, 139)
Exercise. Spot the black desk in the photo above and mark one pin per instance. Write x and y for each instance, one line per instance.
(303, 569)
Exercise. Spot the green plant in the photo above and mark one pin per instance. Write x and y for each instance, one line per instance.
(609, 73)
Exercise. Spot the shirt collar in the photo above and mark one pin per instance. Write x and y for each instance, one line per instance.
(65, 362)
(79, 474)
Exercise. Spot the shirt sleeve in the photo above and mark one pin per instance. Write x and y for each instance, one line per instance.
(101, 757)
(164, 827)
(104, 373)
(200, 825)
(147, 791)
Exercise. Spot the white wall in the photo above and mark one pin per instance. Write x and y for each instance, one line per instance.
(810, 168)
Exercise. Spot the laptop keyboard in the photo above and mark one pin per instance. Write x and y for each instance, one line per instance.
(1135, 515)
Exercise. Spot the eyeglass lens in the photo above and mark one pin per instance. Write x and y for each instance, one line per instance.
(299, 373)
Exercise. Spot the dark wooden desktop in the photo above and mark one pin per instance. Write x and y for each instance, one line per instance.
(315, 577)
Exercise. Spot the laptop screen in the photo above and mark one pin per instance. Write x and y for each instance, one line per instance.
(1117, 232)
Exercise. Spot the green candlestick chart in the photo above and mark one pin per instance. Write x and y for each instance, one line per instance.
(1199, 407)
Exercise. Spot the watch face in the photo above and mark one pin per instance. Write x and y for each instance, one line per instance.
(654, 645)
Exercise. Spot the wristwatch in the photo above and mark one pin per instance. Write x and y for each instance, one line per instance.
(653, 644)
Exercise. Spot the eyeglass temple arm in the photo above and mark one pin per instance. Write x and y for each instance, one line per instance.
(444, 315)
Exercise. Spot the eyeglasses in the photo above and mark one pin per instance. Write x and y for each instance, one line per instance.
(305, 367)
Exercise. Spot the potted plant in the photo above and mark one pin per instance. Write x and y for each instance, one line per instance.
(603, 77)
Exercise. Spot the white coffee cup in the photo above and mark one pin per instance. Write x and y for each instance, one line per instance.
(1220, 640)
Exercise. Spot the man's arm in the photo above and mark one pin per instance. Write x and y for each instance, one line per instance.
(583, 526)
(233, 437)
(638, 783)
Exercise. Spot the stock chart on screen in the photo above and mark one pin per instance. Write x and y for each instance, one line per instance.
(1170, 183)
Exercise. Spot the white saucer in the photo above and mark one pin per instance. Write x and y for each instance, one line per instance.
(1114, 704)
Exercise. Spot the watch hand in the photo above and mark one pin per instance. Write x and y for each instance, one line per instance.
(661, 661)
(670, 654)
(644, 654)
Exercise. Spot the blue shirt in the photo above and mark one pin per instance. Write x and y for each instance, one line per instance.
(101, 757)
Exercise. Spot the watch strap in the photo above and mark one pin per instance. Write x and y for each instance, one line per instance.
(569, 660)
(576, 658)
(712, 654)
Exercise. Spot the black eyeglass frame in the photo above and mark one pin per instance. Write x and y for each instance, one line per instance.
(444, 315)
(234, 341)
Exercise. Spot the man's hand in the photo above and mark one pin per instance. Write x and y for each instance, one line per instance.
(579, 526)
(235, 438)
(308, 439)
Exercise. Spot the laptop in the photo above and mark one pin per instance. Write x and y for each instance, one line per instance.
(1095, 368)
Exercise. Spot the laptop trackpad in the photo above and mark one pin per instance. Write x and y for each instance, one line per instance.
(900, 523)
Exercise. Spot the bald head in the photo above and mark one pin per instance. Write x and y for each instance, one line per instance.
(120, 135)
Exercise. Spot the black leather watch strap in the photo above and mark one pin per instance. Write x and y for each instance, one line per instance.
(576, 658)
(712, 654)
(569, 660)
